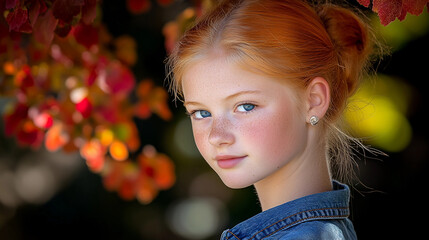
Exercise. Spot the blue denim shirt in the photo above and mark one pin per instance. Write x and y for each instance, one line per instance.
(318, 216)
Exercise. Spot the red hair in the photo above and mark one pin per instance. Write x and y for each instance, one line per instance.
(289, 40)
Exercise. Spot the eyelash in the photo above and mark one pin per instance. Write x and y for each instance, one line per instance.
(192, 113)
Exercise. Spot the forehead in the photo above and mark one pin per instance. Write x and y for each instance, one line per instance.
(217, 77)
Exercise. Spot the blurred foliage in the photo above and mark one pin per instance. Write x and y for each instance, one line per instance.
(67, 83)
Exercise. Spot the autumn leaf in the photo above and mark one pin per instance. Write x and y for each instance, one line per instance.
(364, 3)
(87, 35)
(389, 10)
(29, 135)
(14, 119)
(44, 28)
(151, 99)
(119, 79)
(126, 50)
(138, 6)
(43, 120)
(63, 29)
(93, 152)
(118, 150)
(24, 79)
(55, 137)
(89, 11)
(84, 107)
(157, 166)
(146, 190)
(11, 3)
(18, 20)
(127, 190)
(414, 7)
(65, 10)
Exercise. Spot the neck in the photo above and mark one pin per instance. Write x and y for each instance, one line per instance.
(305, 175)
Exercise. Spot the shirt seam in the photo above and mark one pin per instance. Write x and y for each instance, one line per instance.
(300, 220)
(233, 235)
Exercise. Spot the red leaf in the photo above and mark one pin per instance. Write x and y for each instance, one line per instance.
(91, 77)
(127, 190)
(87, 35)
(138, 6)
(14, 119)
(364, 3)
(62, 29)
(119, 79)
(24, 79)
(29, 135)
(414, 7)
(11, 3)
(84, 107)
(43, 7)
(66, 9)
(43, 120)
(18, 20)
(142, 110)
(387, 10)
(89, 11)
(33, 12)
(44, 28)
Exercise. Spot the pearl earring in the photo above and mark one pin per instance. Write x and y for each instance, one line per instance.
(314, 120)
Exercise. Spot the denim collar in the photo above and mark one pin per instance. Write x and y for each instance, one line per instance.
(321, 206)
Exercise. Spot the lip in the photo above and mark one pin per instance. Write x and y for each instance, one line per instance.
(228, 161)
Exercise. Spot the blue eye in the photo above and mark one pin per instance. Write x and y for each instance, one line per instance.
(245, 107)
(200, 114)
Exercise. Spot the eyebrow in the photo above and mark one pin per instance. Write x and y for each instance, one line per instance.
(227, 98)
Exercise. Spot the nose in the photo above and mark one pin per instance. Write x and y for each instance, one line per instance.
(220, 133)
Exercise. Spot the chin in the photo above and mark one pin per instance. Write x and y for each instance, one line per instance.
(236, 183)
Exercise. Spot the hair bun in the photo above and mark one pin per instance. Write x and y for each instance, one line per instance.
(350, 37)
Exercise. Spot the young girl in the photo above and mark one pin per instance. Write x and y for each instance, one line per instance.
(265, 83)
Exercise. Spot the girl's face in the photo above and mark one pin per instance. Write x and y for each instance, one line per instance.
(246, 126)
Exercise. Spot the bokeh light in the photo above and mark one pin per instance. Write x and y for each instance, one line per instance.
(118, 150)
(184, 140)
(196, 218)
(377, 113)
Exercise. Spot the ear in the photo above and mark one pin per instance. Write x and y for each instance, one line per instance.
(318, 97)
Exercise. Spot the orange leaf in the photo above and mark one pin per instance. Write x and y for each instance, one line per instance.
(146, 191)
(127, 190)
(92, 150)
(164, 176)
(142, 110)
(118, 150)
(55, 138)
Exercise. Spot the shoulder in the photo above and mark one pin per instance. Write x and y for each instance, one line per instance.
(320, 229)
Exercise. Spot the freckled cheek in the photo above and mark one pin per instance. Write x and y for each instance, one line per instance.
(270, 137)
(201, 140)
